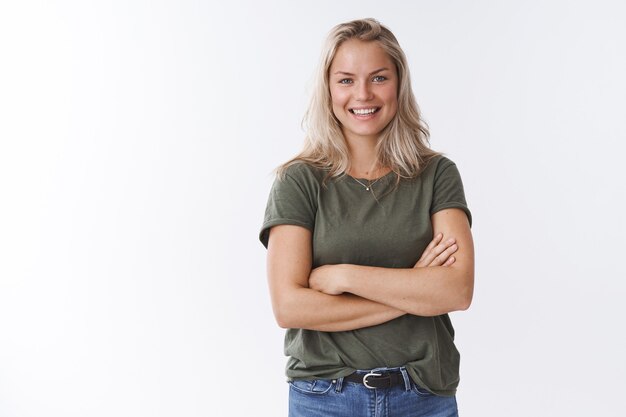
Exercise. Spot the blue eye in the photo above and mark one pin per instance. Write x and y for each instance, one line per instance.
(379, 79)
(345, 81)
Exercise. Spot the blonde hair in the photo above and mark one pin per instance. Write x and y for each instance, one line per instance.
(403, 144)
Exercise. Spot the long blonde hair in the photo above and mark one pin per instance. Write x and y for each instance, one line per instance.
(403, 144)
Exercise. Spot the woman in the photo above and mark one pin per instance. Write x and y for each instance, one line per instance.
(369, 243)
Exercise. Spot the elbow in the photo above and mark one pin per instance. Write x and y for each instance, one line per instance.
(282, 324)
(284, 314)
(460, 302)
(465, 294)
(280, 320)
(464, 303)
(282, 317)
(460, 295)
(288, 308)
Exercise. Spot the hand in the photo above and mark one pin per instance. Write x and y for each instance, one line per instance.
(438, 253)
(327, 279)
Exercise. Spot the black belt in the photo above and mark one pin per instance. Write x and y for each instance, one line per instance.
(375, 380)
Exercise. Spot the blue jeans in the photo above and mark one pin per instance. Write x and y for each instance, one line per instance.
(339, 398)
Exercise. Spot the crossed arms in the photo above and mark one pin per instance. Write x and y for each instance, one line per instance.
(347, 297)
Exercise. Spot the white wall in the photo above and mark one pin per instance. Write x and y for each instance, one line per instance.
(136, 144)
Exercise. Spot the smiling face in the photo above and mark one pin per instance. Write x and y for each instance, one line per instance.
(363, 88)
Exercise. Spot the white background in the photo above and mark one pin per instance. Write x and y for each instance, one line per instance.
(137, 143)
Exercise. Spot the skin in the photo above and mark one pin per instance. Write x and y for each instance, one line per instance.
(297, 304)
(346, 296)
(427, 291)
(362, 76)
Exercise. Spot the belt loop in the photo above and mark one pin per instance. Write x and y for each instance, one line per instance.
(407, 380)
(339, 385)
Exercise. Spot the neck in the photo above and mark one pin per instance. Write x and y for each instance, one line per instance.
(363, 160)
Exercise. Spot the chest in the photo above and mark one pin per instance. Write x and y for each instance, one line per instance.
(352, 226)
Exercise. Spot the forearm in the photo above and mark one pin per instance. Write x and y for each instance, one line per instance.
(420, 291)
(297, 305)
(305, 308)
(423, 291)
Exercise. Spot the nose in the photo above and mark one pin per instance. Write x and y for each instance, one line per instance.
(363, 91)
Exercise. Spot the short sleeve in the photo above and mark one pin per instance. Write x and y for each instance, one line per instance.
(292, 200)
(448, 189)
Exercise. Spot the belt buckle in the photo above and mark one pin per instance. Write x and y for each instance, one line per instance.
(367, 376)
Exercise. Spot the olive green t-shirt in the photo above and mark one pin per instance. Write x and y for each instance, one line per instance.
(386, 227)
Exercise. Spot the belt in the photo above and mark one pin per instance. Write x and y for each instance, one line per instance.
(375, 380)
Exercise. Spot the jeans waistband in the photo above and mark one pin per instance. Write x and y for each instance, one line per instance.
(377, 377)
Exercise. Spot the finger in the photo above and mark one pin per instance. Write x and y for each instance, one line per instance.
(443, 256)
(433, 243)
(438, 250)
(429, 255)
(450, 261)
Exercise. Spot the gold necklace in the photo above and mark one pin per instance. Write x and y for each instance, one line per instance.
(369, 185)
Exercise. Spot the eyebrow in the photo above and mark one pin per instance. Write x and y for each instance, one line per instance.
(371, 73)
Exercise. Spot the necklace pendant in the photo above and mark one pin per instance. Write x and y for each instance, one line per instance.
(367, 188)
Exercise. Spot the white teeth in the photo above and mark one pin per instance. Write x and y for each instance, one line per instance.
(363, 111)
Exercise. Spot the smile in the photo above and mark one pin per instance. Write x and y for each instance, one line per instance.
(364, 112)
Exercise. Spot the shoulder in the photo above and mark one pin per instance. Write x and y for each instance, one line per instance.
(293, 199)
(439, 164)
(298, 180)
(435, 167)
(303, 173)
(443, 169)
(448, 190)
(303, 169)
